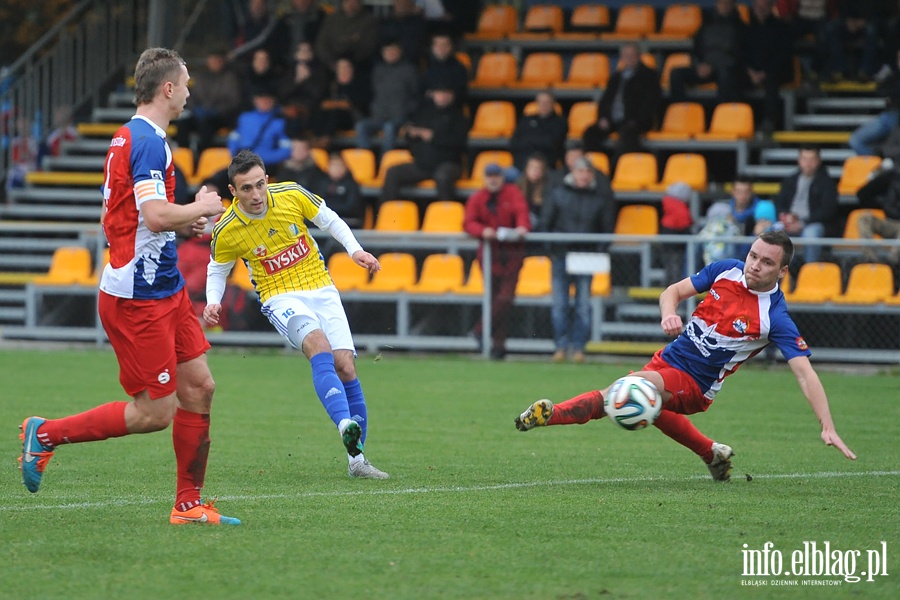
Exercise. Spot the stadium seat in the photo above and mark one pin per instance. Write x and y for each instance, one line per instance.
(397, 215)
(893, 300)
(183, 158)
(496, 22)
(680, 21)
(494, 118)
(541, 22)
(70, 265)
(347, 275)
(674, 60)
(686, 168)
(601, 284)
(730, 121)
(600, 161)
(816, 283)
(360, 163)
(240, 276)
(869, 283)
(637, 219)
(587, 22)
(540, 70)
(210, 162)
(682, 121)
(441, 274)
(444, 216)
(397, 156)
(397, 274)
(474, 285)
(534, 278)
(587, 70)
(855, 172)
(465, 60)
(744, 12)
(635, 171)
(495, 69)
(851, 227)
(476, 174)
(581, 116)
(634, 21)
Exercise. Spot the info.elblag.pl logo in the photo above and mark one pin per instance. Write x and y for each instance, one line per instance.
(814, 564)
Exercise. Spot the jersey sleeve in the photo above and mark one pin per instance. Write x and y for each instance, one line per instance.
(703, 279)
(148, 168)
(784, 334)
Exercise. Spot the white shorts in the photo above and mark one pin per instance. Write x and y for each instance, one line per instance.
(322, 306)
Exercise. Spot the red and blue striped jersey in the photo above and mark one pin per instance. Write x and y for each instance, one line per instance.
(731, 325)
(139, 167)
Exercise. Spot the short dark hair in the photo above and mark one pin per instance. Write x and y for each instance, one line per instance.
(780, 238)
(810, 148)
(154, 67)
(741, 178)
(243, 162)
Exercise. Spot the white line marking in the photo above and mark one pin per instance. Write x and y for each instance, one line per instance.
(442, 490)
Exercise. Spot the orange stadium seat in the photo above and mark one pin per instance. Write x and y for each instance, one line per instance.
(397, 274)
(816, 283)
(184, 159)
(869, 283)
(210, 162)
(673, 61)
(397, 156)
(494, 118)
(496, 22)
(541, 21)
(441, 274)
(680, 21)
(465, 60)
(347, 275)
(635, 171)
(633, 21)
(444, 216)
(587, 70)
(495, 69)
(360, 163)
(856, 170)
(730, 121)
(534, 278)
(682, 121)
(397, 215)
(851, 228)
(320, 157)
(581, 116)
(686, 168)
(476, 174)
(600, 161)
(744, 12)
(637, 219)
(587, 21)
(474, 285)
(70, 265)
(540, 70)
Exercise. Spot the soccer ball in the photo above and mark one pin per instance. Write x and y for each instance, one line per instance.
(632, 403)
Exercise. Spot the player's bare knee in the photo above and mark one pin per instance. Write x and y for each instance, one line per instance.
(345, 365)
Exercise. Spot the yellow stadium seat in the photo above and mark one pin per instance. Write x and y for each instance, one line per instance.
(637, 219)
(730, 121)
(70, 265)
(682, 121)
(540, 70)
(495, 69)
(397, 215)
(474, 285)
(851, 228)
(347, 275)
(633, 21)
(816, 283)
(635, 171)
(441, 274)
(601, 284)
(444, 216)
(397, 274)
(360, 163)
(600, 161)
(496, 22)
(587, 70)
(587, 22)
(483, 159)
(680, 21)
(869, 283)
(210, 162)
(534, 278)
(184, 159)
(494, 118)
(855, 172)
(541, 21)
(581, 116)
(686, 168)
(397, 156)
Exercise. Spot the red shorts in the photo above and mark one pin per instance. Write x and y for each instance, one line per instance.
(687, 398)
(150, 338)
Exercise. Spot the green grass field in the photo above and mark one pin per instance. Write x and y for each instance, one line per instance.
(473, 508)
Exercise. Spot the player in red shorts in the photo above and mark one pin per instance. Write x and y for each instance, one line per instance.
(743, 312)
(143, 305)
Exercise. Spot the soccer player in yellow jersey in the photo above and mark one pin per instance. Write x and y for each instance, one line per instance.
(265, 227)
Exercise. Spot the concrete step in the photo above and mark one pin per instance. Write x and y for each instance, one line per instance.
(51, 213)
(85, 146)
(73, 162)
(121, 99)
(782, 171)
(12, 296)
(637, 311)
(848, 104)
(14, 315)
(67, 195)
(25, 262)
(33, 244)
(789, 155)
(831, 121)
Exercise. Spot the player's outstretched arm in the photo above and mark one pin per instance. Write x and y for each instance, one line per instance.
(669, 300)
(815, 395)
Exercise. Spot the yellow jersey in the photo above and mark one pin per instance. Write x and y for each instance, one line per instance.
(279, 251)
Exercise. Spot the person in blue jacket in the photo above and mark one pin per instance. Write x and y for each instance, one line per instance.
(261, 130)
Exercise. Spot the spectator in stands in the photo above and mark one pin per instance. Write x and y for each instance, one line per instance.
(302, 23)
(533, 184)
(262, 129)
(437, 135)
(445, 69)
(395, 87)
(543, 132)
(498, 213)
(584, 203)
(768, 58)
(807, 203)
(555, 176)
(300, 166)
(864, 137)
(342, 191)
(882, 191)
(215, 101)
(807, 20)
(406, 26)
(716, 55)
(676, 220)
(303, 91)
(262, 73)
(743, 204)
(63, 131)
(856, 22)
(629, 105)
(346, 102)
(260, 28)
(349, 32)
(24, 146)
(719, 224)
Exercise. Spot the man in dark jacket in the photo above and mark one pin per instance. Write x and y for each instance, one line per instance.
(395, 87)
(498, 213)
(768, 58)
(436, 135)
(543, 132)
(807, 203)
(629, 105)
(883, 191)
(584, 203)
(445, 69)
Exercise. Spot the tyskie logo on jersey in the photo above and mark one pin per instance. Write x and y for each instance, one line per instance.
(288, 257)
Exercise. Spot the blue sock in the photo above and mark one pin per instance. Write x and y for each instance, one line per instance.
(329, 387)
(357, 403)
